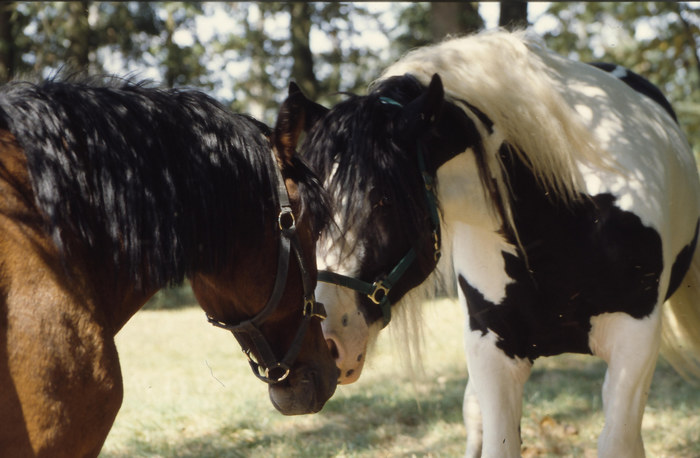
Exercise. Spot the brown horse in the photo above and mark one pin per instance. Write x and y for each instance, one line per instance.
(109, 192)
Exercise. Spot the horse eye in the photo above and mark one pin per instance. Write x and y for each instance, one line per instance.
(384, 201)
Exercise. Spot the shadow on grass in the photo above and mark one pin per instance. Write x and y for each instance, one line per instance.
(356, 423)
(372, 424)
(574, 397)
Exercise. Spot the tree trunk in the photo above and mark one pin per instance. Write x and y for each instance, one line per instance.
(453, 18)
(257, 83)
(170, 72)
(689, 36)
(79, 34)
(7, 48)
(513, 15)
(444, 19)
(303, 66)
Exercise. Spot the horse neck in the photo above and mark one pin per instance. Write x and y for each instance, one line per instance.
(119, 308)
(239, 290)
(102, 288)
(463, 198)
(28, 255)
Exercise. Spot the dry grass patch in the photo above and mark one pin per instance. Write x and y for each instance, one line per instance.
(189, 393)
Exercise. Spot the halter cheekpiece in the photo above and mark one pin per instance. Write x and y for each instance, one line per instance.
(266, 366)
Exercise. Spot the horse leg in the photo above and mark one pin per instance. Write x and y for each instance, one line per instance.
(64, 383)
(14, 438)
(630, 347)
(497, 381)
(493, 398)
(472, 422)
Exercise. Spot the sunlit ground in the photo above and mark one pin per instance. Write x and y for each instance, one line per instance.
(190, 393)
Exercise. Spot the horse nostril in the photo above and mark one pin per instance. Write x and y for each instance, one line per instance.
(333, 348)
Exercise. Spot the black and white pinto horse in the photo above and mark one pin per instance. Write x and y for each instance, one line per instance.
(571, 200)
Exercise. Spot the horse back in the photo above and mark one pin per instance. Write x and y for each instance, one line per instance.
(651, 169)
(639, 84)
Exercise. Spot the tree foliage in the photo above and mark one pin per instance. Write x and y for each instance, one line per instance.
(250, 62)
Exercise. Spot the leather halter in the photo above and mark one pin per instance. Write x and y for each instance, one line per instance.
(378, 291)
(265, 365)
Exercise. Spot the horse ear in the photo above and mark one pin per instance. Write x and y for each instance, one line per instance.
(445, 123)
(420, 115)
(312, 110)
(433, 100)
(296, 115)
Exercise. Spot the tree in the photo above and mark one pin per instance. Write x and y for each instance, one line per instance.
(7, 48)
(513, 15)
(78, 34)
(272, 54)
(91, 37)
(181, 64)
(423, 24)
(303, 61)
(125, 31)
(14, 44)
(250, 64)
(61, 36)
(346, 65)
(454, 18)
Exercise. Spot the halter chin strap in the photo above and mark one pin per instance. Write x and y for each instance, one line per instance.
(266, 366)
(378, 291)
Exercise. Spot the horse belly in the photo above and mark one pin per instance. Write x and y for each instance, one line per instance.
(539, 299)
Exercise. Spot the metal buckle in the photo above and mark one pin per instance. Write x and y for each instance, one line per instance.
(378, 287)
(291, 226)
(311, 310)
(436, 246)
(428, 182)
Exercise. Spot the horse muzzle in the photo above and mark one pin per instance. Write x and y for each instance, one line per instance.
(304, 391)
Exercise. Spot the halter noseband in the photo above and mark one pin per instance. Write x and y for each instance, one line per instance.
(267, 367)
(378, 291)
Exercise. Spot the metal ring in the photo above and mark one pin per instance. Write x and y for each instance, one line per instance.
(277, 379)
(292, 226)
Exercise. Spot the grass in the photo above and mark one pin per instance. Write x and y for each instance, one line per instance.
(189, 393)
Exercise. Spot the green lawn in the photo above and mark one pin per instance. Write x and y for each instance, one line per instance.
(190, 393)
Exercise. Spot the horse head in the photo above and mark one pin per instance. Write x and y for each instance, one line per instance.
(283, 340)
(377, 156)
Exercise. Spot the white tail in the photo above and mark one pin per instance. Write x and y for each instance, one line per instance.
(680, 335)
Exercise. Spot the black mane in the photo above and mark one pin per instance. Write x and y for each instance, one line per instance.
(163, 182)
(371, 166)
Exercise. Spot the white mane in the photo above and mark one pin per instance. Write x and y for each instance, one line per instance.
(506, 76)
